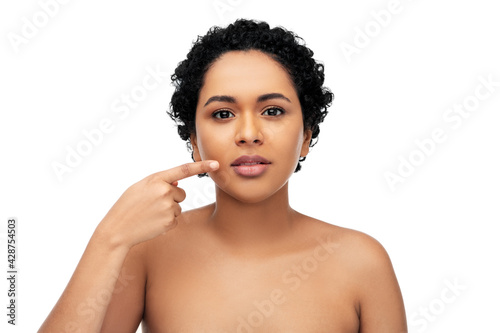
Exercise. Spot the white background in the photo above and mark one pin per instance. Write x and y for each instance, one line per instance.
(439, 225)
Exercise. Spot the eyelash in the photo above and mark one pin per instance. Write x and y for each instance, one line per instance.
(214, 115)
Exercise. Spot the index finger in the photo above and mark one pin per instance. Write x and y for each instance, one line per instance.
(188, 170)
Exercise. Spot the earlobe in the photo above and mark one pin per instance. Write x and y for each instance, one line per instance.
(194, 145)
(305, 144)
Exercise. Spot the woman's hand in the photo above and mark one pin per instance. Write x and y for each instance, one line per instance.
(149, 208)
(146, 209)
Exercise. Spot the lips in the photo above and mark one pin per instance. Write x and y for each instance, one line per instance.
(250, 160)
(250, 166)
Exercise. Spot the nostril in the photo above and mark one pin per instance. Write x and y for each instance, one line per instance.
(249, 140)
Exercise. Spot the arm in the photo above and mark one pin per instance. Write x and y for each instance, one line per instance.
(380, 300)
(82, 305)
(126, 308)
(146, 210)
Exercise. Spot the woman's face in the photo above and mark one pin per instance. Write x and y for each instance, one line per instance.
(248, 106)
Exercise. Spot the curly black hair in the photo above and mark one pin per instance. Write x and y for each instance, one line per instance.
(280, 44)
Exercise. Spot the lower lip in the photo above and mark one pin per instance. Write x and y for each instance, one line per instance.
(250, 170)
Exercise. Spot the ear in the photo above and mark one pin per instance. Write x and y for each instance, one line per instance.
(196, 151)
(305, 145)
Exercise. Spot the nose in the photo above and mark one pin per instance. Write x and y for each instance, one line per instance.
(249, 130)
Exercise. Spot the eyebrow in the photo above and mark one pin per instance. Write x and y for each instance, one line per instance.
(261, 98)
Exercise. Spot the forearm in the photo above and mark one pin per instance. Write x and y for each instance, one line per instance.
(145, 210)
(83, 304)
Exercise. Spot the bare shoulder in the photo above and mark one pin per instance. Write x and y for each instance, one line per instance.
(355, 256)
(367, 250)
(356, 245)
(365, 267)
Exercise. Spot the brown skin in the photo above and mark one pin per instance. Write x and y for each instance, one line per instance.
(248, 262)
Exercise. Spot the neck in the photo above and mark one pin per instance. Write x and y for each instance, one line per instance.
(251, 225)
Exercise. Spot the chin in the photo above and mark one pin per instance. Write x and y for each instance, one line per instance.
(248, 193)
(249, 199)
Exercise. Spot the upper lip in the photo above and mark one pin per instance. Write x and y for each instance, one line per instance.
(250, 159)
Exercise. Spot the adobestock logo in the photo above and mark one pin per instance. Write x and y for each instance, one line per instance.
(39, 20)
(363, 36)
(89, 308)
(121, 107)
(223, 6)
(425, 315)
(292, 280)
(201, 197)
(453, 117)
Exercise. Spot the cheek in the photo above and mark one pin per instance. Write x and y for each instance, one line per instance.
(212, 142)
(287, 139)
(217, 145)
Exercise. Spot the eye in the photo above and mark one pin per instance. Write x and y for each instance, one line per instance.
(274, 111)
(222, 114)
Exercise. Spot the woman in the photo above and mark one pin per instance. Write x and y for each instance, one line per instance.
(249, 100)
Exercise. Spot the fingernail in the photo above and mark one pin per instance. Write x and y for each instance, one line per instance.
(214, 164)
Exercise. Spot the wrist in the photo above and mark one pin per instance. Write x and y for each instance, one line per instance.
(109, 238)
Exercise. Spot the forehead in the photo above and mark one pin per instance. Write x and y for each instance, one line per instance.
(238, 72)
